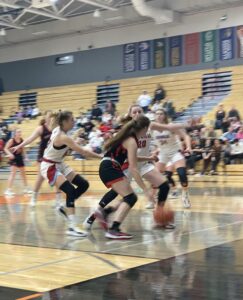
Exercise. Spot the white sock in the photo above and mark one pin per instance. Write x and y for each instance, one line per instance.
(72, 220)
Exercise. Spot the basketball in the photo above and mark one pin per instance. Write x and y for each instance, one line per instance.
(163, 215)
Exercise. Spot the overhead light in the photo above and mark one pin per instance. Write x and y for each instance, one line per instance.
(3, 32)
(96, 13)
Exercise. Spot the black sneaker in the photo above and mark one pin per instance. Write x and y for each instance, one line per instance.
(117, 235)
(88, 222)
(62, 212)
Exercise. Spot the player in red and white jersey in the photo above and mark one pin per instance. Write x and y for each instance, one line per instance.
(170, 151)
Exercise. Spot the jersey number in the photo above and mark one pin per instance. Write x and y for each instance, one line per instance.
(141, 144)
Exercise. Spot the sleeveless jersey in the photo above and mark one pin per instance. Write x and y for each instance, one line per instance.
(167, 141)
(53, 153)
(118, 153)
(44, 139)
(144, 145)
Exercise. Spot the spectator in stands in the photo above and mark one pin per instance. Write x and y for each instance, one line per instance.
(216, 156)
(88, 126)
(210, 133)
(29, 111)
(159, 93)
(35, 112)
(96, 112)
(235, 123)
(225, 125)
(105, 127)
(20, 115)
(156, 106)
(96, 143)
(207, 156)
(227, 152)
(233, 113)
(236, 152)
(229, 135)
(3, 124)
(144, 100)
(239, 134)
(110, 107)
(194, 156)
(220, 115)
(106, 117)
(150, 114)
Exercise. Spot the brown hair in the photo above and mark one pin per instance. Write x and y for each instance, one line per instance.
(43, 120)
(128, 130)
(166, 121)
(59, 117)
(127, 117)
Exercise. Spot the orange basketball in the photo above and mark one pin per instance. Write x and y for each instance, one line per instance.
(163, 215)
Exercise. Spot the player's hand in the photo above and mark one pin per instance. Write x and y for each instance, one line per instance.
(154, 158)
(14, 149)
(11, 156)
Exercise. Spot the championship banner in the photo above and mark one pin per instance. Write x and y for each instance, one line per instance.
(208, 46)
(191, 48)
(129, 57)
(159, 53)
(175, 50)
(226, 39)
(240, 40)
(144, 49)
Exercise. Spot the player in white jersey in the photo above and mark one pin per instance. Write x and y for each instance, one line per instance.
(146, 169)
(61, 175)
(170, 150)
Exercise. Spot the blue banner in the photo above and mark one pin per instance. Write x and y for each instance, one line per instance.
(129, 57)
(226, 39)
(144, 50)
(175, 50)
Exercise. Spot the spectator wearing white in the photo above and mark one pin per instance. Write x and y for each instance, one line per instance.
(106, 117)
(144, 100)
(156, 106)
(96, 143)
(151, 115)
(237, 151)
(35, 112)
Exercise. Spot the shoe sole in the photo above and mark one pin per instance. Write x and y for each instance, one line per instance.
(113, 237)
(87, 226)
(71, 233)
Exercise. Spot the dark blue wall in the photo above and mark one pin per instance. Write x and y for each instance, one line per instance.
(89, 66)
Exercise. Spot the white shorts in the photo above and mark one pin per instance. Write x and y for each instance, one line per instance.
(51, 171)
(143, 169)
(165, 158)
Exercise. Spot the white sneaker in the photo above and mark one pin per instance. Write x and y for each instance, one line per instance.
(76, 231)
(185, 199)
(149, 205)
(33, 200)
(9, 192)
(27, 191)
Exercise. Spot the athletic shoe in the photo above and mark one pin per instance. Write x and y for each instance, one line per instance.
(117, 235)
(9, 192)
(185, 199)
(169, 226)
(27, 191)
(149, 205)
(76, 231)
(63, 213)
(174, 194)
(101, 218)
(88, 222)
(33, 199)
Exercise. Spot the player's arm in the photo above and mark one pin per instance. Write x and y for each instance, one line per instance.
(7, 149)
(151, 158)
(170, 127)
(75, 147)
(37, 133)
(131, 146)
(187, 139)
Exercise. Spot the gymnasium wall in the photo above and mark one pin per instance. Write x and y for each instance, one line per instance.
(32, 65)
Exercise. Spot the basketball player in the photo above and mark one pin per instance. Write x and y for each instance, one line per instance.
(43, 131)
(61, 175)
(123, 147)
(16, 162)
(146, 169)
(169, 145)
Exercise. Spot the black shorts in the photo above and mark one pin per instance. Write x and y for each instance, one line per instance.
(110, 173)
(18, 162)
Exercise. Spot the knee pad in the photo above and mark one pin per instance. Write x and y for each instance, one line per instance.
(82, 185)
(131, 199)
(107, 198)
(69, 190)
(182, 176)
(163, 192)
(168, 175)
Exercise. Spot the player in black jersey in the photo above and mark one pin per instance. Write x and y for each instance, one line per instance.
(16, 162)
(43, 131)
(120, 148)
